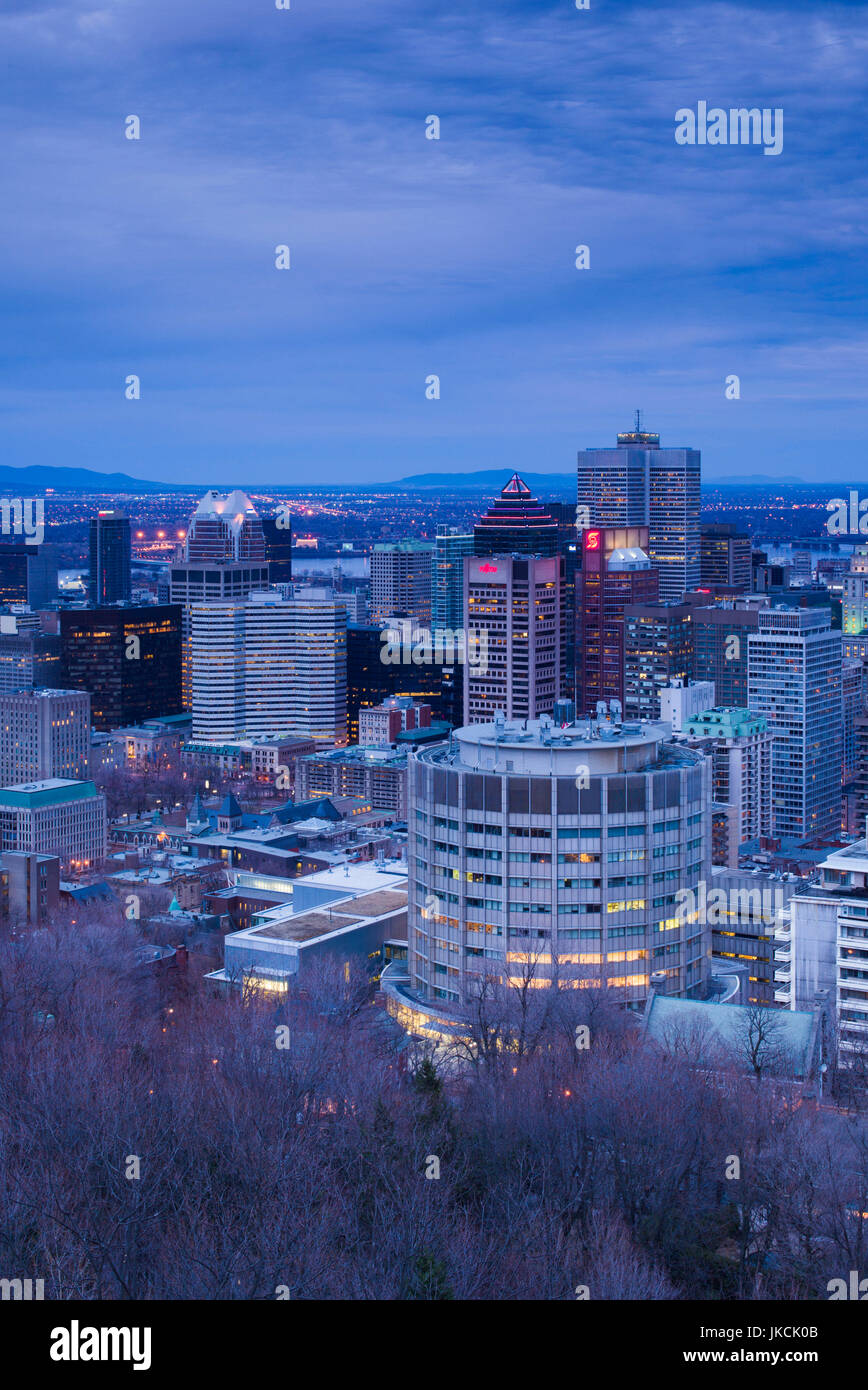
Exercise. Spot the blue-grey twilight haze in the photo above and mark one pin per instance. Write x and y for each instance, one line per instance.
(411, 256)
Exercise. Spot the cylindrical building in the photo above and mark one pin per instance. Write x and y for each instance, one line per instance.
(561, 847)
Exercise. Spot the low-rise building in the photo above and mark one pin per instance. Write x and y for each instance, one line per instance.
(56, 816)
(338, 918)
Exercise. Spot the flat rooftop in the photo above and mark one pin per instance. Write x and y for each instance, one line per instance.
(305, 926)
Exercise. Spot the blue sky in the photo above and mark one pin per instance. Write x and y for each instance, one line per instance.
(413, 257)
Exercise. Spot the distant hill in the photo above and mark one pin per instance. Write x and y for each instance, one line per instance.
(26, 481)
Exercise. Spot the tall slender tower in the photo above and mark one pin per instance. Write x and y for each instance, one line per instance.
(639, 484)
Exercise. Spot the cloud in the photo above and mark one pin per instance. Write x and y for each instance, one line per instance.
(410, 256)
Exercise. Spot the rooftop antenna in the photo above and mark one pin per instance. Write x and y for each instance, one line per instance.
(638, 422)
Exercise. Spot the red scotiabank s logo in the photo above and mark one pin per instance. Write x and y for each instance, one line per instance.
(488, 569)
(592, 540)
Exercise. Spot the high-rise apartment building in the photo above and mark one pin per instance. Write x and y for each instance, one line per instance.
(522, 868)
(44, 733)
(110, 559)
(269, 665)
(639, 484)
(127, 658)
(725, 557)
(615, 572)
(513, 607)
(739, 745)
(794, 682)
(401, 575)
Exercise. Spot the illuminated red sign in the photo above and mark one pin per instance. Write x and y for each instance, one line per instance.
(592, 540)
(488, 569)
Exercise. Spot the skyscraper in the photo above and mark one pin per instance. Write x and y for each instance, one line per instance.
(658, 649)
(447, 585)
(278, 547)
(269, 665)
(28, 574)
(224, 560)
(725, 557)
(615, 571)
(127, 658)
(110, 559)
(401, 573)
(516, 524)
(44, 733)
(639, 484)
(794, 681)
(513, 607)
(854, 617)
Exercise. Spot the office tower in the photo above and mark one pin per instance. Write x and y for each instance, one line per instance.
(110, 559)
(128, 659)
(517, 869)
(44, 733)
(401, 574)
(28, 574)
(223, 528)
(278, 547)
(513, 608)
(639, 484)
(318, 651)
(29, 658)
(269, 665)
(451, 546)
(658, 649)
(725, 557)
(615, 572)
(516, 524)
(739, 745)
(682, 701)
(570, 550)
(224, 560)
(371, 680)
(855, 604)
(852, 708)
(355, 601)
(55, 816)
(794, 681)
(720, 638)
